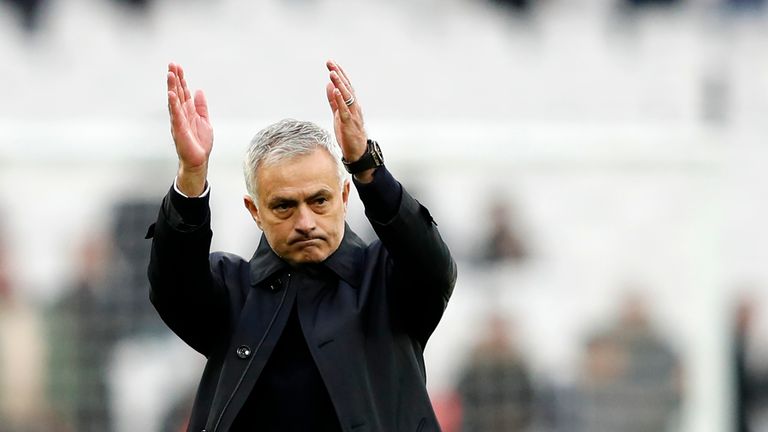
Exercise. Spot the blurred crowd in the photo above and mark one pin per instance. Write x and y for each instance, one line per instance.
(629, 379)
(32, 12)
(60, 365)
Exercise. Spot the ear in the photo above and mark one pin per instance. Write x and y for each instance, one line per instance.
(345, 194)
(253, 209)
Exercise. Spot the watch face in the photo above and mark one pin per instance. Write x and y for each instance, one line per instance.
(376, 153)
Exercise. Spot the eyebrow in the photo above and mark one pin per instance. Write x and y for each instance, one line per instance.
(324, 193)
(277, 200)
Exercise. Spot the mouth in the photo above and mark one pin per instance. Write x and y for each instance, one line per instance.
(307, 242)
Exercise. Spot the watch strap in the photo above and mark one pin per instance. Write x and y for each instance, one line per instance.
(372, 158)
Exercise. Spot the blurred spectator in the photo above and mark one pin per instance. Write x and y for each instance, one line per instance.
(144, 362)
(135, 4)
(502, 242)
(30, 12)
(495, 387)
(81, 341)
(516, 5)
(22, 357)
(106, 304)
(132, 313)
(641, 3)
(632, 380)
(750, 380)
(747, 5)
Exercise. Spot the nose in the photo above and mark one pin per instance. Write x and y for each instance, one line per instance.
(305, 222)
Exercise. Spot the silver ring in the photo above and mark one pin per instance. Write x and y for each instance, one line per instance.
(350, 101)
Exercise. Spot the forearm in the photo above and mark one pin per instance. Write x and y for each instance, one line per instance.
(180, 241)
(422, 272)
(407, 230)
(380, 194)
(182, 287)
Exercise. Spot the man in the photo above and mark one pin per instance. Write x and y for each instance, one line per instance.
(495, 386)
(318, 331)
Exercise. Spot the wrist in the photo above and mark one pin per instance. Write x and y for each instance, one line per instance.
(355, 155)
(191, 180)
(362, 166)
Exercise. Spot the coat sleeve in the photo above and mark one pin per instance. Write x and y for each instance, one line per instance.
(422, 270)
(189, 297)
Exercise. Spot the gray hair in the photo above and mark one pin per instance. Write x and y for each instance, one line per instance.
(284, 140)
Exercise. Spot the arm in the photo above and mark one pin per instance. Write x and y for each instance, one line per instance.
(423, 272)
(183, 288)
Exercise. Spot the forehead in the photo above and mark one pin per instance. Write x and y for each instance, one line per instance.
(299, 174)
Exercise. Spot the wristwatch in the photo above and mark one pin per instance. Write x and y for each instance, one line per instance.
(371, 159)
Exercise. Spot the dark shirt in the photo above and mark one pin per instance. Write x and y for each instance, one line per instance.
(289, 395)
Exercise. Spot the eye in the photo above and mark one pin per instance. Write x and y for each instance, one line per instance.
(282, 208)
(321, 203)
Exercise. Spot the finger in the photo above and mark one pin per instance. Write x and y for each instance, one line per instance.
(333, 66)
(201, 104)
(344, 113)
(173, 68)
(187, 94)
(178, 116)
(178, 89)
(171, 81)
(174, 87)
(339, 84)
(345, 78)
(329, 92)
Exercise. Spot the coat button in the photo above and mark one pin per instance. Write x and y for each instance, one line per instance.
(243, 351)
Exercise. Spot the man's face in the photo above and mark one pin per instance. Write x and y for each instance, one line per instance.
(301, 207)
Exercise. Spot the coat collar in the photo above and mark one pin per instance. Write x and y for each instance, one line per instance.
(346, 262)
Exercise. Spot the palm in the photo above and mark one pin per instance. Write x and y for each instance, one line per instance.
(194, 137)
(190, 125)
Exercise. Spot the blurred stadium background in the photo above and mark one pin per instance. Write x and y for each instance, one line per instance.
(597, 167)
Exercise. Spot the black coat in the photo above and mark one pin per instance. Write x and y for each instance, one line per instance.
(366, 333)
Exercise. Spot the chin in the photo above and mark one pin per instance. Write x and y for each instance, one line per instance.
(315, 259)
(310, 257)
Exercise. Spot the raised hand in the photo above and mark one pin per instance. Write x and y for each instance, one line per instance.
(347, 114)
(191, 130)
